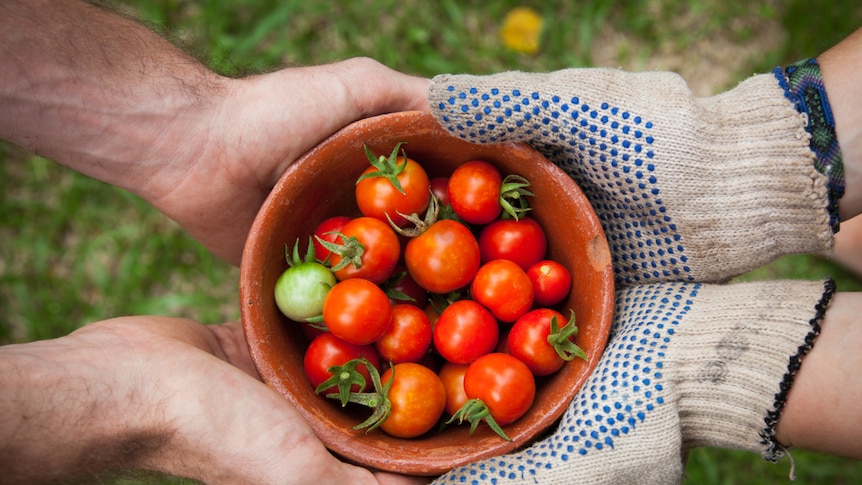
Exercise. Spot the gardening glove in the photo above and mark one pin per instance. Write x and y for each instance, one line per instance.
(688, 364)
(687, 188)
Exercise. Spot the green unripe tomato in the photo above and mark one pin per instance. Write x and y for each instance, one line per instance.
(301, 290)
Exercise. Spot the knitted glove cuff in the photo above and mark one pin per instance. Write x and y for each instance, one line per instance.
(774, 451)
(803, 86)
(736, 359)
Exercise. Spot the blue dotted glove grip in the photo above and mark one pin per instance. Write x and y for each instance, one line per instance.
(683, 186)
(607, 149)
(688, 364)
(626, 388)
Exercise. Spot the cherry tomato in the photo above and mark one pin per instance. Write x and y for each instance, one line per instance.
(408, 337)
(522, 241)
(328, 231)
(301, 290)
(465, 331)
(440, 189)
(378, 197)
(504, 288)
(551, 282)
(474, 192)
(357, 311)
(503, 383)
(444, 258)
(452, 376)
(327, 350)
(380, 250)
(528, 341)
(418, 400)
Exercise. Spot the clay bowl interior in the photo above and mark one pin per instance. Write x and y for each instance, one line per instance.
(320, 185)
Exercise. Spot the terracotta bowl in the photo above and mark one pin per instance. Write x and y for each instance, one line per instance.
(320, 185)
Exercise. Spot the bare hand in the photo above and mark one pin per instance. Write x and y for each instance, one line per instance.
(263, 125)
(155, 393)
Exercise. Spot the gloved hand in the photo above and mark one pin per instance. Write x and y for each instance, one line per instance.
(687, 188)
(688, 365)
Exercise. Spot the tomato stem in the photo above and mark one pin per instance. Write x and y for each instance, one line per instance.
(294, 259)
(387, 167)
(561, 339)
(343, 378)
(419, 225)
(514, 192)
(350, 250)
(378, 400)
(474, 411)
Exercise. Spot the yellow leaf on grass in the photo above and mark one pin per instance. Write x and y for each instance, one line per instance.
(521, 29)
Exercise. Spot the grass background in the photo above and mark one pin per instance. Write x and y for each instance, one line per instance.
(75, 250)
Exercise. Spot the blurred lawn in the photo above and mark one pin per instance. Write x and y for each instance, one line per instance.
(75, 250)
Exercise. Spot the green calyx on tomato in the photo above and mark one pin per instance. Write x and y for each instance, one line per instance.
(439, 301)
(387, 167)
(475, 411)
(561, 339)
(302, 288)
(419, 225)
(366, 247)
(344, 377)
(350, 250)
(447, 212)
(390, 287)
(376, 399)
(513, 193)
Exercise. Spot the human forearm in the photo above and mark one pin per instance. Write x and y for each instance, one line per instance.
(159, 394)
(842, 76)
(97, 92)
(822, 411)
(62, 416)
(109, 98)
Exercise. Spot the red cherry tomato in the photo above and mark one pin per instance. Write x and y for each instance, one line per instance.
(504, 288)
(418, 399)
(357, 311)
(452, 376)
(503, 383)
(474, 192)
(440, 189)
(444, 258)
(551, 282)
(528, 341)
(465, 331)
(408, 337)
(328, 231)
(522, 241)
(378, 197)
(327, 350)
(381, 250)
